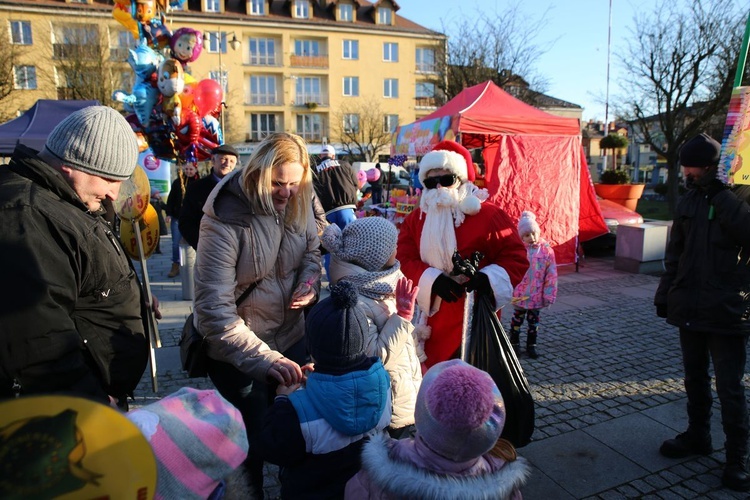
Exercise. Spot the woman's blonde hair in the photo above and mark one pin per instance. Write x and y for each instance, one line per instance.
(257, 177)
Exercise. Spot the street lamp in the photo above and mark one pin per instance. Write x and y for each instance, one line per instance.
(235, 43)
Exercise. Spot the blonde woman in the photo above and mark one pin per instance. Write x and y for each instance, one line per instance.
(258, 230)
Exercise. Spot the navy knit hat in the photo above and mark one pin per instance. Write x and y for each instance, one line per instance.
(700, 151)
(335, 331)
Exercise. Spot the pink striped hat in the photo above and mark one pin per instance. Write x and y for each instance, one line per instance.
(198, 438)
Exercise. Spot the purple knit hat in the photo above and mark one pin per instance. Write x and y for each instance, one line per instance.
(198, 438)
(460, 412)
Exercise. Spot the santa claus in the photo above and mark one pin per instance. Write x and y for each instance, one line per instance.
(453, 214)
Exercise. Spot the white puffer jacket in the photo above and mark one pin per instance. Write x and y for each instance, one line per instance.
(236, 248)
(390, 337)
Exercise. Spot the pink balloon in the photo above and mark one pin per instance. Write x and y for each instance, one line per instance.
(361, 177)
(207, 96)
(373, 175)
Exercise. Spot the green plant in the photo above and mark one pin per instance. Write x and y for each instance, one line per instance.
(614, 177)
(615, 142)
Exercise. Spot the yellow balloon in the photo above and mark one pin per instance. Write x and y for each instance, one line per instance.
(149, 229)
(135, 193)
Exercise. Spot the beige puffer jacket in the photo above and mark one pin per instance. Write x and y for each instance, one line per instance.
(390, 337)
(236, 248)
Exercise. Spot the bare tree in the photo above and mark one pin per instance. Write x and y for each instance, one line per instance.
(500, 47)
(680, 67)
(85, 67)
(9, 58)
(360, 127)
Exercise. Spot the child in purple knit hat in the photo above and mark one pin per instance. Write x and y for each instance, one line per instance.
(457, 452)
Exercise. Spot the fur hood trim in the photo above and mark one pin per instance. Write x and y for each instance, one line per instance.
(405, 480)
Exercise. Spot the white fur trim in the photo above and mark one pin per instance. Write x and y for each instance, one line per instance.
(502, 288)
(449, 160)
(424, 295)
(470, 205)
(405, 480)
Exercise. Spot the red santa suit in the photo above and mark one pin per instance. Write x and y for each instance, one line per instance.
(485, 228)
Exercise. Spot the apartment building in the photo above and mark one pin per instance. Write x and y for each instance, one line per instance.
(285, 65)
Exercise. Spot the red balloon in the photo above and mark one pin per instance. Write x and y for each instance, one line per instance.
(207, 96)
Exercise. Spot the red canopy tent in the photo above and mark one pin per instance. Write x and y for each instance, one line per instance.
(533, 161)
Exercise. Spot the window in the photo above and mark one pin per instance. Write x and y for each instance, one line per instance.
(351, 86)
(217, 40)
(262, 89)
(76, 40)
(212, 5)
(263, 51)
(257, 7)
(301, 9)
(20, 32)
(351, 123)
(222, 77)
(306, 48)
(390, 52)
(25, 77)
(262, 124)
(390, 122)
(351, 49)
(121, 42)
(310, 127)
(390, 88)
(385, 15)
(425, 89)
(425, 60)
(346, 12)
(308, 90)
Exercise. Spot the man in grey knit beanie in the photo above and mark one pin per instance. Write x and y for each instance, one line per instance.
(71, 306)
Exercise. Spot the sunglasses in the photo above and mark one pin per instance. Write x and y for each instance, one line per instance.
(444, 180)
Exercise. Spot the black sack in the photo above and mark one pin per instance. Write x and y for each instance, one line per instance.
(490, 350)
(193, 350)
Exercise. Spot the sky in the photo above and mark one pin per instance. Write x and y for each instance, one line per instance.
(575, 63)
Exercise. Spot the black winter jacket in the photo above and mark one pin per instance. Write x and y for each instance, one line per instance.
(706, 286)
(174, 200)
(70, 302)
(335, 184)
(196, 195)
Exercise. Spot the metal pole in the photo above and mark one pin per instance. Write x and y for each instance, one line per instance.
(606, 99)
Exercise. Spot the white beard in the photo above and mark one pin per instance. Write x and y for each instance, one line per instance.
(438, 241)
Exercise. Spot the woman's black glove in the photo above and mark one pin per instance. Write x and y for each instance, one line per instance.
(447, 289)
(480, 283)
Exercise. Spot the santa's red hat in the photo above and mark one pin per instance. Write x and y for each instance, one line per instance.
(451, 156)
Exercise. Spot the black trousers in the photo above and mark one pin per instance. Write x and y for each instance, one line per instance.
(728, 353)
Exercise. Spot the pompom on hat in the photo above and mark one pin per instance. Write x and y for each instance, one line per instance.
(198, 438)
(96, 140)
(449, 155)
(460, 412)
(700, 151)
(527, 223)
(335, 331)
(368, 242)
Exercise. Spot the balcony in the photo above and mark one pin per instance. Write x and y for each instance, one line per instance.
(425, 102)
(425, 68)
(319, 61)
(311, 102)
(311, 136)
(261, 60)
(262, 100)
(76, 51)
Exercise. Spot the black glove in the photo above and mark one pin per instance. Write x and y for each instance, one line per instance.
(447, 289)
(480, 283)
(661, 310)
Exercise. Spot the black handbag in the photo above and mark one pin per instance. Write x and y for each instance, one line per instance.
(193, 353)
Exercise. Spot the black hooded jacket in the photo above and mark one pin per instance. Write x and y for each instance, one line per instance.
(70, 302)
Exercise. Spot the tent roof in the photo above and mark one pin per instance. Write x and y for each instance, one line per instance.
(488, 109)
(33, 127)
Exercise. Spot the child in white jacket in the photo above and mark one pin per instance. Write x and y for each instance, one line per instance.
(364, 253)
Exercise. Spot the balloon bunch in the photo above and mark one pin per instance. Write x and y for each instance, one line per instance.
(171, 112)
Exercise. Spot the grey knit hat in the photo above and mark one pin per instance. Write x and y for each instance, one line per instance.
(368, 242)
(96, 140)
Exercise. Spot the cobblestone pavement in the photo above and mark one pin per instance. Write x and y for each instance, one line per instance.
(607, 387)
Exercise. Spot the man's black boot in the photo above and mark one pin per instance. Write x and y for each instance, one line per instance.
(687, 444)
(735, 475)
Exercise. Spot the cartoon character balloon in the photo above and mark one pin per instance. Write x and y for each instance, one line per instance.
(373, 175)
(171, 84)
(144, 62)
(186, 44)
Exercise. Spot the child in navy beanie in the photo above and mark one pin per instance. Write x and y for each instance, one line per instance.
(315, 430)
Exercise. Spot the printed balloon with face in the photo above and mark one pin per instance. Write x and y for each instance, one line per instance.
(145, 10)
(186, 44)
(171, 84)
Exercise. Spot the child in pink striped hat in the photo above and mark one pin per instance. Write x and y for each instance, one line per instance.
(198, 439)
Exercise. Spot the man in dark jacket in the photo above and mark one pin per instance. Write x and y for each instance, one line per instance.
(223, 160)
(705, 292)
(71, 309)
